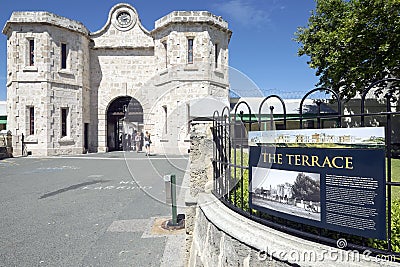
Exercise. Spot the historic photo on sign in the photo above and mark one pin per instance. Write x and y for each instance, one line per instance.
(290, 192)
(362, 137)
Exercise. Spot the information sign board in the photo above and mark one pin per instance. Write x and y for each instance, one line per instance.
(329, 178)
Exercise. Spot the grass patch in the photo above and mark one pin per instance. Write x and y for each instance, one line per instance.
(242, 179)
(395, 178)
(395, 212)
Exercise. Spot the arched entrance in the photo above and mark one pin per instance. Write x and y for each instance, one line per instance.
(124, 116)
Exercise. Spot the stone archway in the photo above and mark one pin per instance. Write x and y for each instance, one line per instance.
(124, 116)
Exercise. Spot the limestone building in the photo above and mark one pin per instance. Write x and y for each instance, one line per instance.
(70, 90)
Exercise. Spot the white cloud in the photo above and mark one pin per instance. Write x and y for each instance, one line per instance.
(247, 12)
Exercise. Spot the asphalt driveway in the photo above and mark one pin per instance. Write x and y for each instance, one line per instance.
(89, 210)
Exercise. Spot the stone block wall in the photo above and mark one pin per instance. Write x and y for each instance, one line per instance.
(119, 60)
(193, 16)
(200, 172)
(221, 237)
(108, 82)
(201, 154)
(45, 85)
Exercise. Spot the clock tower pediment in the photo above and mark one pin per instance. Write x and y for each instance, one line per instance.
(123, 29)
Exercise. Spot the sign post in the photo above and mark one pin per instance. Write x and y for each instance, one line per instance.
(170, 196)
(173, 198)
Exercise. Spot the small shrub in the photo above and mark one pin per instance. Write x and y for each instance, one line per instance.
(395, 231)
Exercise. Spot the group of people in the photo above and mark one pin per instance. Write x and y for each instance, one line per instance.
(136, 141)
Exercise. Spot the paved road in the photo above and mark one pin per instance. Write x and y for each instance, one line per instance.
(89, 210)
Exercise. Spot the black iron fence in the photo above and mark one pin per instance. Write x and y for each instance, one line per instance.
(377, 106)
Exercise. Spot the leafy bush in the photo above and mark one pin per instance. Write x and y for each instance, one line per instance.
(382, 244)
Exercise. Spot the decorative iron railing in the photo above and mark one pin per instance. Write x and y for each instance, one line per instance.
(230, 158)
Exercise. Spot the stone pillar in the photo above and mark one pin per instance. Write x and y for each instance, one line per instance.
(201, 153)
(102, 133)
(8, 144)
(201, 173)
(17, 145)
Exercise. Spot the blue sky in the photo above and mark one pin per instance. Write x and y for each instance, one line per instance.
(261, 47)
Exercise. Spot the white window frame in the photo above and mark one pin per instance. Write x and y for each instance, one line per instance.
(67, 122)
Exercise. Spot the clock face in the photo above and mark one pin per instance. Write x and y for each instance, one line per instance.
(124, 18)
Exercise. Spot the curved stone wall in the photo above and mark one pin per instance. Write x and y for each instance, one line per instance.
(221, 237)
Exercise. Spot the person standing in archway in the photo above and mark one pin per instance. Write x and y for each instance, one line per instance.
(129, 142)
(137, 141)
(147, 142)
(141, 141)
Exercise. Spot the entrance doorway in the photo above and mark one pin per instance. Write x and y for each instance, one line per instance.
(86, 137)
(124, 117)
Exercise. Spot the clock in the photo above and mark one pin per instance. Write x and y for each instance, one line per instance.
(124, 19)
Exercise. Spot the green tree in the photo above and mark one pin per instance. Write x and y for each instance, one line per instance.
(306, 188)
(352, 43)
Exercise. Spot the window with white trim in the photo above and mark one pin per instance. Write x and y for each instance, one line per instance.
(165, 119)
(166, 53)
(216, 55)
(188, 117)
(31, 120)
(31, 52)
(190, 51)
(64, 54)
(65, 122)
